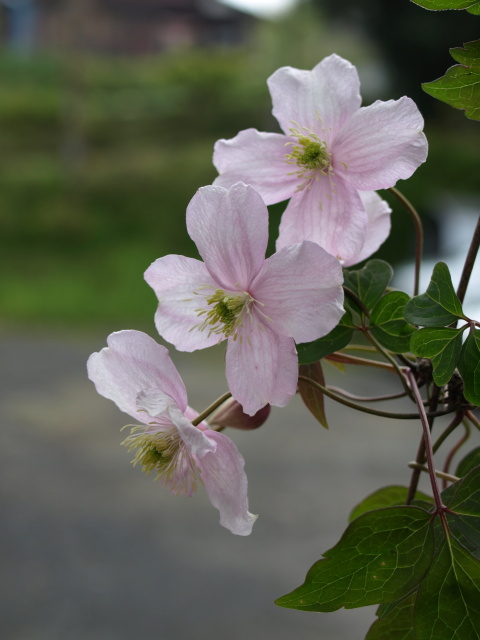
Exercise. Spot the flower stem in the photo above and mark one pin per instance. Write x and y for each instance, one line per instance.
(393, 362)
(345, 359)
(469, 262)
(211, 408)
(418, 233)
(427, 437)
(448, 430)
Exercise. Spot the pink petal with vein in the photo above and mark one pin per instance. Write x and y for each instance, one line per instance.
(378, 228)
(174, 280)
(230, 229)
(381, 144)
(225, 482)
(300, 288)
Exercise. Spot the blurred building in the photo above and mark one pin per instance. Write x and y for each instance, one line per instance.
(119, 27)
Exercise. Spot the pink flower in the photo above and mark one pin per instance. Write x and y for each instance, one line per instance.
(332, 152)
(139, 376)
(260, 306)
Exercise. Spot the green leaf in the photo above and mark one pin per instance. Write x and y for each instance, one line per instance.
(313, 398)
(439, 5)
(396, 626)
(460, 88)
(469, 367)
(387, 322)
(469, 56)
(475, 10)
(385, 497)
(337, 339)
(380, 557)
(469, 462)
(370, 282)
(442, 346)
(439, 306)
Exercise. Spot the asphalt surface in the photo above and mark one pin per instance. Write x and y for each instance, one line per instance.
(92, 549)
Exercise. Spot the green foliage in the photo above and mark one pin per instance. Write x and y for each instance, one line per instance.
(370, 282)
(442, 347)
(387, 322)
(420, 565)
(385, 497)
(337, 339)
(469, 367)
(313, 398)
(460, 86)
(469, 462)
(439, 306)
(439, 5)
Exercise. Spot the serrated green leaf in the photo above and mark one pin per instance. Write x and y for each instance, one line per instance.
(385, 497)
(469, 367)
(469, 55)
(460, 88)
(337, 339)
(370, 282)
(442, 346)
(469, 462)
(439, 306)
(387, 322)
(313, 398)
(398, 625)
(447, 605)
(380, 557)
(440, 5)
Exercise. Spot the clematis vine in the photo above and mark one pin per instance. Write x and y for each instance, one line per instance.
(139, 376)
(260, 306)
(332, 157)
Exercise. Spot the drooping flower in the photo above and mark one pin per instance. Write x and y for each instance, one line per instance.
(139, 376)
(259, 305)
(333, 151)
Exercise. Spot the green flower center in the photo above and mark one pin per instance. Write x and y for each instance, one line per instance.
(226, 312)
(310, 154)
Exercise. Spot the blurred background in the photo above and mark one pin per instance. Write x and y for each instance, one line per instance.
(109, 110)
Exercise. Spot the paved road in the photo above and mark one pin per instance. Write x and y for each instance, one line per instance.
(92, 549)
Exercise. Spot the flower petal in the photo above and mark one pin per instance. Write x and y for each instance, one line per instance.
(381, 144)
(174, 280)
(300, 289)
(257, 159)
(225, 482)
(378, 228)
(261, 367)
(322, 99)
(131, 363)
(230, 229)
(333, 217)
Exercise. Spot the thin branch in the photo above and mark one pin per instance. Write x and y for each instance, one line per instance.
(345, 359)
(393, 362)
(469, 262)
(392, 396)
(211, 408)
(439, 474)
(448, 430)
(418, 234)
(454, 450)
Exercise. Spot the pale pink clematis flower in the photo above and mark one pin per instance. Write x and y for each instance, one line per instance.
(333, 155)
(139, 376)
(259, 305)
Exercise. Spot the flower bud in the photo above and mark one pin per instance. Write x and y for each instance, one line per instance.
(231, 414)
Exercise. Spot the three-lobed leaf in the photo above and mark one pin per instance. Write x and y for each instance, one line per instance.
(387, 322)
(369, 282)
(439, 305)
(442, 346)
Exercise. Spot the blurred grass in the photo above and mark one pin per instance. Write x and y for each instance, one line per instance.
(99, 159)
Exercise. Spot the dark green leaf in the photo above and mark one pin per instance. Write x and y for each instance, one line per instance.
(469, 462)
(475, 10)
(388, 325)
(398, 625)
(439, 5)
(338, 338)
(380, 557)
(463, 516)
(469, 55)
(370, 282)
(469, 367)
(460, 88)
(439, 306)
(447, 605)
(313, 398)
(385, 497)
(442, 346)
